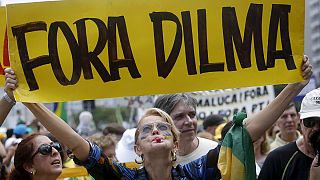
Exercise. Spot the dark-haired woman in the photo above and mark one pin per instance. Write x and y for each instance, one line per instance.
(37, 157)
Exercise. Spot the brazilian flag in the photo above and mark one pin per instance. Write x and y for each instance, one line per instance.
(60, 110)
(236, 158)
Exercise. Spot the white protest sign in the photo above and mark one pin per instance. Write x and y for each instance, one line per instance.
(229, 102)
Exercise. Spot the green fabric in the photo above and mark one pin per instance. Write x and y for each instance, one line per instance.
(239, 140)
(61, 110)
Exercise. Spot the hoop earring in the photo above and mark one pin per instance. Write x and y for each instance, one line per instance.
(174, 156)
(139, 159)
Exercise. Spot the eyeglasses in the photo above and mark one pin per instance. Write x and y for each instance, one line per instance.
(46, 149)
(161, 126)
(311, 121)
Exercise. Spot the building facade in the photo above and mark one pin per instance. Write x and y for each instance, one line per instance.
(312, 35)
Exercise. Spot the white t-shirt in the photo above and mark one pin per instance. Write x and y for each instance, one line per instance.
(205, 145)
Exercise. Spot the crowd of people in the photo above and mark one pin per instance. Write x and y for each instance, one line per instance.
(166, 143)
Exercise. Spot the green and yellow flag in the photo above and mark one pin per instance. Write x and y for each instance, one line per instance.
(236, 158)
(60, 110)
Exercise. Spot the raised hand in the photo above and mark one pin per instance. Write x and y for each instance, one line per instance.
(306, 70)
(10, 83)
(315, 169)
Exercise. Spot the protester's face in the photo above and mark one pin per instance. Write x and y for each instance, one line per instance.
(288, 121)
(184, 118)
(46, 164)
(155, 136)
(308, 131)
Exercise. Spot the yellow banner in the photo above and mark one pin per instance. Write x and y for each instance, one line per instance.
(71, 50)
(74, 172)
(4, 58)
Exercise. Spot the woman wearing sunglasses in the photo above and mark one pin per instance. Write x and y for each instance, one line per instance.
(37, 157)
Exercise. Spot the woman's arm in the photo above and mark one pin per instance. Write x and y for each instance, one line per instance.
(5, 108)
(260, 122)
(8, 100)
(61, 130)
(80, 147)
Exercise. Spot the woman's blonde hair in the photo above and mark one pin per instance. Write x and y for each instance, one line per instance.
(165, 116)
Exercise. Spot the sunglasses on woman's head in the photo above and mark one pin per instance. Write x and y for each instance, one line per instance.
(46, 149)
(311, 121)
(161, 126)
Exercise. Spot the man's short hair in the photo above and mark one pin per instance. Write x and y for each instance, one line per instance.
(291, 104)
(213, 120)
(168, 102)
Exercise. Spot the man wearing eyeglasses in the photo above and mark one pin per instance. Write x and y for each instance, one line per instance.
(293, 161)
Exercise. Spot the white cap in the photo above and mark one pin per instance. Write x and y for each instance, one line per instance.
(125, 147)
(310, 106)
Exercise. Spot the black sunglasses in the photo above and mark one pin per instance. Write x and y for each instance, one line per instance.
(311, 121)
(46, 149)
